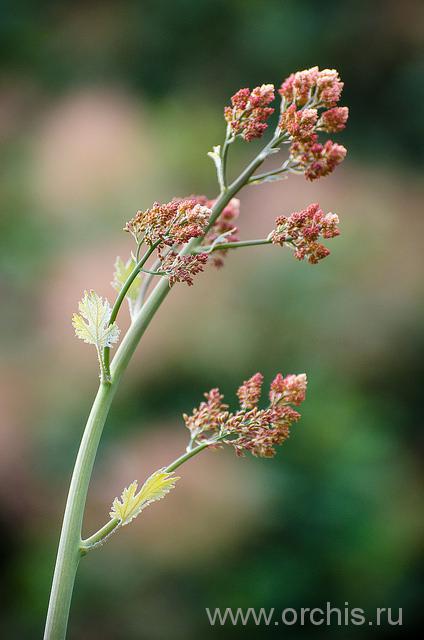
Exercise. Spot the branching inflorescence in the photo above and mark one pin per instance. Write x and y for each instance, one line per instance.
(173, 243)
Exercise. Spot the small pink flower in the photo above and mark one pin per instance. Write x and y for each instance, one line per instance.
(300, 125)
(329, 87)
(322, 88)
(290, 390)
(176, 222)
(298, 86)
(334, 120)
(314, 159)
(249, 111)
(250, 391)
(183, 268)
(302, 230)
(250, 429)
(208, 417)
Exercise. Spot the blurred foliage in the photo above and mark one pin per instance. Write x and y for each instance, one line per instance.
(107, 106)
(162, 48)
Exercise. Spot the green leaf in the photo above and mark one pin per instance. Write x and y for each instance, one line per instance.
(132, 503)
(120, 275)
(91, 324)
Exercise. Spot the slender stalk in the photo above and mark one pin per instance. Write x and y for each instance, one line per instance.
(69, 551)
(105, 362)
(100, 536)
(189, 454)
(262, 177)
(221, 246)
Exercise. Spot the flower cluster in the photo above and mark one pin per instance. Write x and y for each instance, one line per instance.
(333, 120)
(249, 393)
(314, 159)
(302, 230)
(249, 111)
(174, 223)
(299, 124)
(303, 94)
(291, 389)
(250, 428)
(324, 87)
(182, 268)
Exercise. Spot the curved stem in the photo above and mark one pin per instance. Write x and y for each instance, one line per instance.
(69, 551)
(99, 537)
(69, 554)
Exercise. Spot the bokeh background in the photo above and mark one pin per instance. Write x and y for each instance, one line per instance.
(107, 106)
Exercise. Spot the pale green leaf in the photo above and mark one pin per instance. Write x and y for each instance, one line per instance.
(121, 273)
(132, 503)
(91, 324)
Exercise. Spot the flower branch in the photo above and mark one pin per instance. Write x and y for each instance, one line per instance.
(181, 237)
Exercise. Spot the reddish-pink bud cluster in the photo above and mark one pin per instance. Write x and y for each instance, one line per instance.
(299, 124)
(250, 428)
(291, 389)
(303, 94)
(333, 120)
(316, 160)
(176, 222)
(249, 111)
(182, 268)
(250, 391)
(312, 85)
(208, 417)
(303, 229)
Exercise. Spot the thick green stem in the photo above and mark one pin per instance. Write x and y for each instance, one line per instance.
(68, 554)
(70, 550)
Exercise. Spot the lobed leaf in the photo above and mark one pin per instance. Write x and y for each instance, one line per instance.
(132, 503)
(91, 324)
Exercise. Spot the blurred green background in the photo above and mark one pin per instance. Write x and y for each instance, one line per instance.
(106, 106)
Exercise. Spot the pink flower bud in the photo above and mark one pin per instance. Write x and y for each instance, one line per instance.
(334, 120)
(302, 230)
(249, 111)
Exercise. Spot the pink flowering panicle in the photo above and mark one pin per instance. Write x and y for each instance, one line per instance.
(175, 222)
(304, 94)
(249, 112)
(312, 86)
(183, 268)
(314, 159)
(250, 428)
(166, 227)
(333, 120)
(302, 230)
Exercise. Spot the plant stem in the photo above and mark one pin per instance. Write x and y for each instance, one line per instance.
(221, 246)
(262, 177)
(68, 554)
(69, 551)
(222, 167)
(121, 297)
